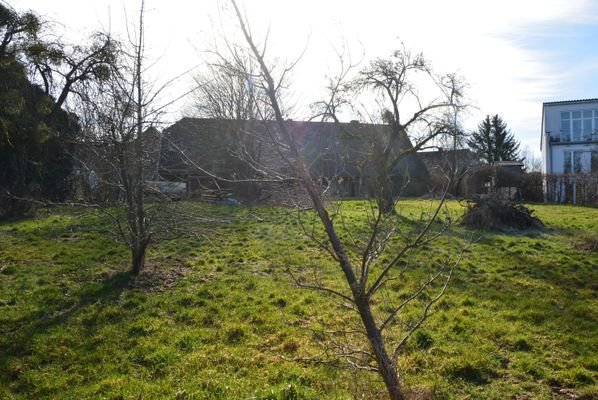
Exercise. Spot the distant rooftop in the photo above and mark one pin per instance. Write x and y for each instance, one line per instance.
(507, 163)
(550, 103)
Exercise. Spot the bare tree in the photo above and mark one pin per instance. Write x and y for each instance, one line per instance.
(452, 162)
(232, 113)
(65, 69)
(226, 90)
(121, 138)
(393, 80)
(367, 275)
(531, 161)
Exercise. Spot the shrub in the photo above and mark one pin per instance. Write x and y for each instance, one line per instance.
(531, 187)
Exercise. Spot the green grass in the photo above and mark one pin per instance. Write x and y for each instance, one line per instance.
(220, 318)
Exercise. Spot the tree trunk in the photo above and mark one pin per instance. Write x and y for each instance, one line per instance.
(385, 365)
(386, 203)
(457, 184)
(138, 258)
(385, 200)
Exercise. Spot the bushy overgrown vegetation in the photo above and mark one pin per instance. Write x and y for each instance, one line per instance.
(492, 212)
(38, 72)
(216, 316)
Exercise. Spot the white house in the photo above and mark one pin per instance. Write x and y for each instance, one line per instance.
(569, 140)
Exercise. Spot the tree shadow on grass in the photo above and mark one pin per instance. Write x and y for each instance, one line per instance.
(17, 338)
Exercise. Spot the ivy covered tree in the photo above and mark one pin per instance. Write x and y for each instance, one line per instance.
(36, 130)
(28, 140)
(493, 141)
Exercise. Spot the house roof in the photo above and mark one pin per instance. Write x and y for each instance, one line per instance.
(551, 103)
(441, 154)
(508, 164)
(304, 132)
(324, 144)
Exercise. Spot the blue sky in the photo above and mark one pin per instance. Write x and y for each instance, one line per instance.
(514, 54)
(571, 51)
(566, 49)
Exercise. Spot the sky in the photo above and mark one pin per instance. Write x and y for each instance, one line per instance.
(513, 54)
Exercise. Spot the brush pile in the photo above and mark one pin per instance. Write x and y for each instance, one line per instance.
(493, 213)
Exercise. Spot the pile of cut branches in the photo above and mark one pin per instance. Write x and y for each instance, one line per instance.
(492, 213)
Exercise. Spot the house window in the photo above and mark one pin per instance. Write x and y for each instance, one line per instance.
(565, 126)
(594, 162)
(567, 166)
(577, 161)
(576, 126)
(587, 125)
(579, 125)
(573, 162)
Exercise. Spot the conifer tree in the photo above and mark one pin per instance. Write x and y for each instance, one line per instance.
(493, 141)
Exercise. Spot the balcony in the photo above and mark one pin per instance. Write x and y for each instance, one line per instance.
(562, 139)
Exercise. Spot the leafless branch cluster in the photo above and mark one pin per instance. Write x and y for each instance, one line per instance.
(120, 116)
(378, 262)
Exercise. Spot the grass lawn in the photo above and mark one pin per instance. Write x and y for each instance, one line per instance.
(217, 315)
